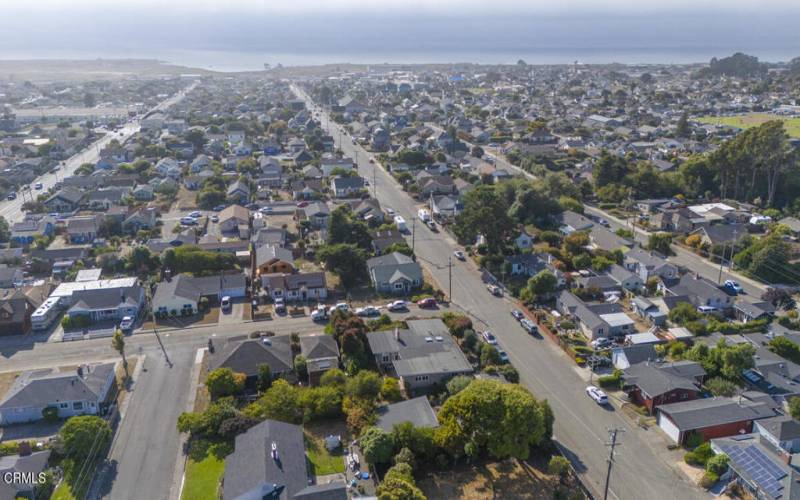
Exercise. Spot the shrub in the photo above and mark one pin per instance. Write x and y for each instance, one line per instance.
(457, 384)
(694, 440)
(699, 456)
(708, 480)
(558, 466)
(390, 390)
(510, 373)
(50, 414)
(717, 464)
(611, 381)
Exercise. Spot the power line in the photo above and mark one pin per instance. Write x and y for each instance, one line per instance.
(613, 433)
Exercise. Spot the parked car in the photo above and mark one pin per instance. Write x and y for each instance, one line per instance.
(529, 326)
(219, 208)
(706, 309)
(367, 311)
(280, 306)
(12, 196)
(320, 314)
(596, 394)
(427, 303)
(517, 314)
(503, 354)
(397, 305)
(432, 226)
(302, 204)
(265, 210)
(495, 290)
(734, 287)
(390, 210)
(341, 306)
(214, 218)
(195, 215)
(460, 255)
(601, 343)
(126, 323)
(188, 221)
(489, 337)
(252, 206)
(225, 303)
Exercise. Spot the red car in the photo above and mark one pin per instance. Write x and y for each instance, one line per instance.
(302, 204)
(426, 303)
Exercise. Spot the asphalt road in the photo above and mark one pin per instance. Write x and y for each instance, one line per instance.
(581, 427)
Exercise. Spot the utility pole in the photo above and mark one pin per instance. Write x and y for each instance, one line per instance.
(413, 233)
(450, 278)
(721, 263)
(374, 182)
(613, 433)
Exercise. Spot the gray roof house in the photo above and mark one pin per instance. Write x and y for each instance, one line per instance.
(394, 273)
(647, 263)
(701, 291)
(243, 355)
(711, 417)
(422, 356)
(781, 431)
(417, 410)
(627, 356)
(345, 186)
(571, 222)
(80, 392)
(321, 353)
(269, 462)
(183, 292)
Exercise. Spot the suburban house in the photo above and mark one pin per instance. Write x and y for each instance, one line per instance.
(269, 462)
(648, 310)
(629, 355)
(16, 309)
(233, 219)
(292, 287)
(26, 468)
(745, 311)
(782, 431)
(711, 417)
(10, 277)
(595, 320)
(383, 239)
(603, 239)
(368, 210)
(445, 206)
(84, 391)
(422, 356)
(347, 186)
(271, 258)
(182, 293)
(321, 353)
(67, 199)
(570, 222)
(763, 471)
(394, 273)
(417, 410)
(26, 231)
(652, 384)
(238, 192)
(625, 279)
(101, 300)
(83, 229)
(524, 241)
(143, 218)
(700, 291)
(317, 213)
(648, 264)
(244, 355)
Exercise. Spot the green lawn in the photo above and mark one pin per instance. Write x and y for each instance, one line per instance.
(792, 124)
(323, 463)
(204, 470)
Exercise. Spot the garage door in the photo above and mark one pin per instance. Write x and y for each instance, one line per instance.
(669, 428)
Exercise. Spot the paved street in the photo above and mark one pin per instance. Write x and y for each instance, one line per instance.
(581, 426)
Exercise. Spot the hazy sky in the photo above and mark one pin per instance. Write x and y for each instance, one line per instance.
(344, 30)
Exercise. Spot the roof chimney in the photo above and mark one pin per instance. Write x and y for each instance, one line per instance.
(396, 333)
(274, 451)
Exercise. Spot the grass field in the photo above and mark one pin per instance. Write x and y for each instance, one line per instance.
(63, 492)
(204, 471)
(792, 124)
(322, 461)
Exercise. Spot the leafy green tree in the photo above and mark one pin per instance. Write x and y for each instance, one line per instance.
(541, 284)
(83, 435)
(719, 386)
(320, 402)
(377, 445)
(390, 390)
(683, 313)
(503, 419)
(264, 377)
(489, 355)
(682, 128)
(223, 382)
(346, 260)
(609, 169)
(457, 384)
(364, 385)
(280, 402)
(5, 231)
(486, 214)
(785, 348)
(794, 407)
(333, 378)
(399, 484)
(558, 466)
(118, 342)
(141, 260)
(343, 227)
(660, 242)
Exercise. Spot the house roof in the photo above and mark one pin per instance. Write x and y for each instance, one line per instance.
(268, 254)
(656, 379)
(394, 267)
(243, 355)
(638, 353)
(234, 211)
(318, 346)
(756, 461)
(708, 412)
(418, 411)
(782, 427)
(34, 463)
(39, 388)
(574, 221)
(194, 287)
(254, 466)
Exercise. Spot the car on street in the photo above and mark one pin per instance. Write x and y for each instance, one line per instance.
(432, 226)
(397, 305)
(215, 218)
(319, 314)
(225, 303)
(367, 311)
(390, 210)
(341, 306)
(252, 206)
(495, 290)
(517, 314)
(265, 210)
(302, 204)
(219, 208)
(734, 287)
(489, 337)
(280, 306)
(188, 221)
(372, 160)
(126, 323)
(529, 326)
(195, 215)
(460, 255)
(12, 196)
(38, 185)
(503, 354)
(427, 303)
(596, 394)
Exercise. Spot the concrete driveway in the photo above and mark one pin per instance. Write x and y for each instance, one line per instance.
(233, 316)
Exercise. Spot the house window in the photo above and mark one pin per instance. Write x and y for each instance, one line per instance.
(421, 378)
(385, 358)
(91, 404)
(398, 286)
(78, 405)
(64, 405)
